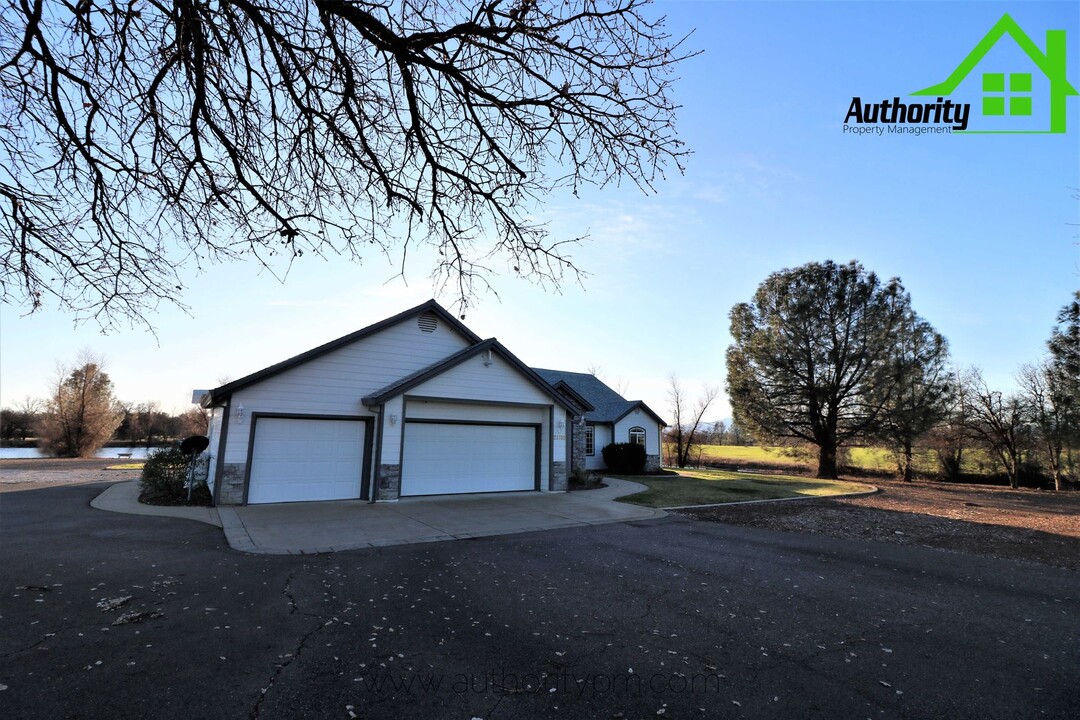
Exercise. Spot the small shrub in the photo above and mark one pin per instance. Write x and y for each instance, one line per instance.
(581, 476)
(164, 476)
(626, 458)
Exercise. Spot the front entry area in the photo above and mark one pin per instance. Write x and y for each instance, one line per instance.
(443, 457)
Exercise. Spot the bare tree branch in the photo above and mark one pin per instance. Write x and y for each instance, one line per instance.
(141, 137)
(687, 419)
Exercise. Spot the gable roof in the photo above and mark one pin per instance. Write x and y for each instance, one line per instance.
(220, 393)
(408, 382)
(1006, 25)
(608, 405)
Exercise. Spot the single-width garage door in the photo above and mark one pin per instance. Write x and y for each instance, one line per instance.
(443, 458)
(298, 459)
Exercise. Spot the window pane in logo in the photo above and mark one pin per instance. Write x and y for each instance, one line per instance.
(993, 105)
(993, 82)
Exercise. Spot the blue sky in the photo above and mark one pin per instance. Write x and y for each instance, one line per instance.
(981, 229)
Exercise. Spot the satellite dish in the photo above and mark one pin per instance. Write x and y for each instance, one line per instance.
(194, 444)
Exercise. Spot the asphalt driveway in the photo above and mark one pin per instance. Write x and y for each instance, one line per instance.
(691, 618)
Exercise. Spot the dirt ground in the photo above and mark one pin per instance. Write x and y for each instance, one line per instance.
(1032, 525)
(50, 472)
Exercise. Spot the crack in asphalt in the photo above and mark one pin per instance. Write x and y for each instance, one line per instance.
(28, 648)
(294, 609)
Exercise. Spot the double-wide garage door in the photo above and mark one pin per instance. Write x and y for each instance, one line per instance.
(302, 459)
(296, 459)
(441, 458)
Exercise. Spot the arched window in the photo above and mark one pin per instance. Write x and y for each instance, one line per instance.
(637, 435)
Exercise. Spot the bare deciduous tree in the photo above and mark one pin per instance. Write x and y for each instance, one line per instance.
(687, 419)
(1050, 405)
(150, 425)
(999, 421)
(738, 435)
(81, 413)
(950, 437)
(18, 423)
(195, 421)
(138, 138)
(719, 433)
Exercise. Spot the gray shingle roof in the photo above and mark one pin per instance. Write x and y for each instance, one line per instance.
(609, 405)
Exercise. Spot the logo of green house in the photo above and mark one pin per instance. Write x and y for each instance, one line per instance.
(1010, 94)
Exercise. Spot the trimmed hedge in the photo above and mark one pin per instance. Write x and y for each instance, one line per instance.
(627, 458)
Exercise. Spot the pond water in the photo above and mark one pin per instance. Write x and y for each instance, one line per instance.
(137, 453)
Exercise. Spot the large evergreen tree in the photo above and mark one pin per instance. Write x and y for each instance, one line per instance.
(1064, 345)
(812, 355)
(917, 401)
(1057, 409)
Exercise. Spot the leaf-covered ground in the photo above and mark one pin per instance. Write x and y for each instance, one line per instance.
(1032, 525)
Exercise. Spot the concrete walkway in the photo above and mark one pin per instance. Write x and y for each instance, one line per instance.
(124, 498)
(320, 527)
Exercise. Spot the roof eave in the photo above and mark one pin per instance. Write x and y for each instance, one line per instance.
(643, 406)
(453, 361)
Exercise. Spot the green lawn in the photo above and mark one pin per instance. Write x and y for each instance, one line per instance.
(705, 487)
(740, 453)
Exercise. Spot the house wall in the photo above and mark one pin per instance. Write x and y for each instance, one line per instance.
(602, 438)
(605, 436)
(640, 418)
(333, 384)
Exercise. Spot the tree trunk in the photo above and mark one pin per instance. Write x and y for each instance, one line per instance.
(907, 462)
(1055, 464)
(826, 464)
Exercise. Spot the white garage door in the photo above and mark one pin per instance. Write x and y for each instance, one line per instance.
(443, 458)
(299, 459)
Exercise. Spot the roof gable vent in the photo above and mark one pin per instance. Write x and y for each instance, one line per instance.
(427, 322)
